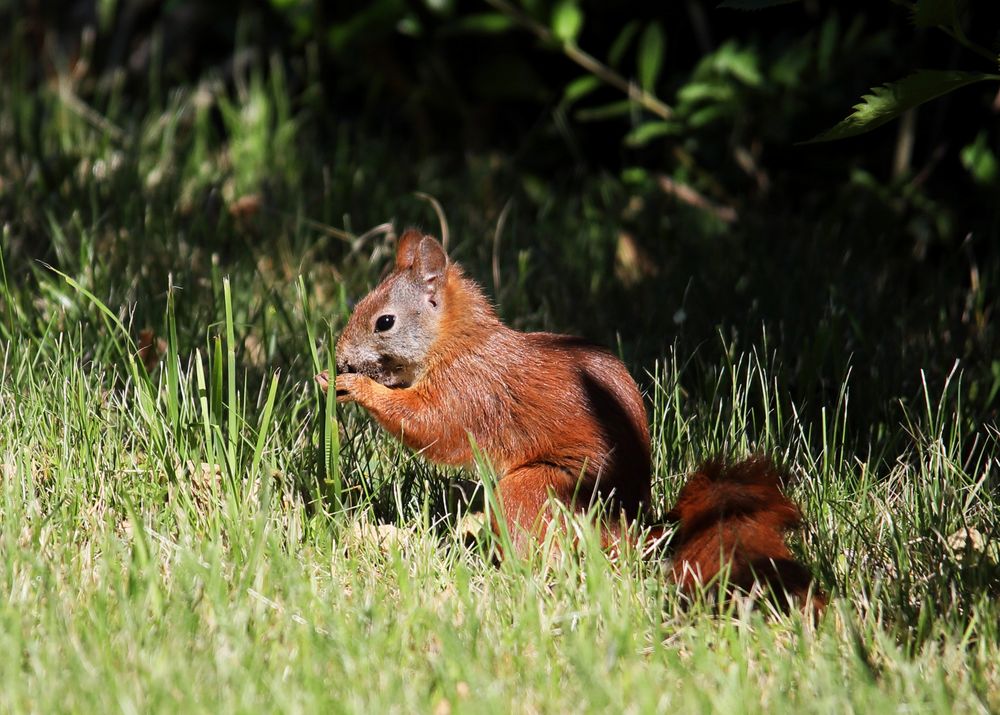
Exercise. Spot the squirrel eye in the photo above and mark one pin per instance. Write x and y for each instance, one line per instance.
(384, 322)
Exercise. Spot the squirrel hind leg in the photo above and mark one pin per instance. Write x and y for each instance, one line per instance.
(523, 495)
(529, 496)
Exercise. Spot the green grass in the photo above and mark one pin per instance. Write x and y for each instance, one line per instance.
(203, 535)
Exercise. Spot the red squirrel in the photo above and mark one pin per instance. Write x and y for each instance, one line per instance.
(558, 418)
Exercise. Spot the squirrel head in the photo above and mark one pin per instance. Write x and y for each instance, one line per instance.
(390, 334)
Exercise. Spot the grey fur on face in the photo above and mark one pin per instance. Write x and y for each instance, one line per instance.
(394, 356)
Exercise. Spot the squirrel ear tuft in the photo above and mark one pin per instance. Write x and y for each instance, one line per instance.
(406, 251)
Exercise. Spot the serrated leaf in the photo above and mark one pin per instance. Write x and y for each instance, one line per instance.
(645, 133)
(931, 13)
(754, 4)
(651, 46)
(889, 101)
(580, 87)
(567, 19)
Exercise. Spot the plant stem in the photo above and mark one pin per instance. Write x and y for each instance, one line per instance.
(587, 61)
(956, 33)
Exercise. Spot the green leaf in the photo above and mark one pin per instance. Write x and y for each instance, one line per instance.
(827, 45)
(580, 87)
(621, 43)
(441, 7)
(931, 13)
(483, 23)
(980, 160)
(754, 4)
(635, 175)
(791, 67)
(694, 92)
(710, 114)
(651, 46)
(731, 59)
(204, 398)
(265, 423)
(533, 8)
(216, 386)
(607, 111)
(567, 19)
(232, 411)
(645, 133)
(888, 102)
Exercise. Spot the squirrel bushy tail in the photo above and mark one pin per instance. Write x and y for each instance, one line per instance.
(733, 516)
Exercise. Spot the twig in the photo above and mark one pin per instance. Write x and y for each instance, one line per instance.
(744, 158)
(692, 197)
(586, 60)
(956, 33)
(904, 143)
(936, 156)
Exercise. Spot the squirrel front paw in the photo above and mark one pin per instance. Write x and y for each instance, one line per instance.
(352, 387)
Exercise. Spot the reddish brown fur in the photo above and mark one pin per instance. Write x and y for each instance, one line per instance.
(553, 414)
(735, 515)
(557, 417)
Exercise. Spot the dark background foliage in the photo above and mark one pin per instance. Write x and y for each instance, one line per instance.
(711, 229)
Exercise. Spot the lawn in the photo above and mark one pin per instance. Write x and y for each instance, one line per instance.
(187, 524)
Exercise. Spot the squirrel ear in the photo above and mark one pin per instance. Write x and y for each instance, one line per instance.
(431, 260)
(406, 251)
(430, 265)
